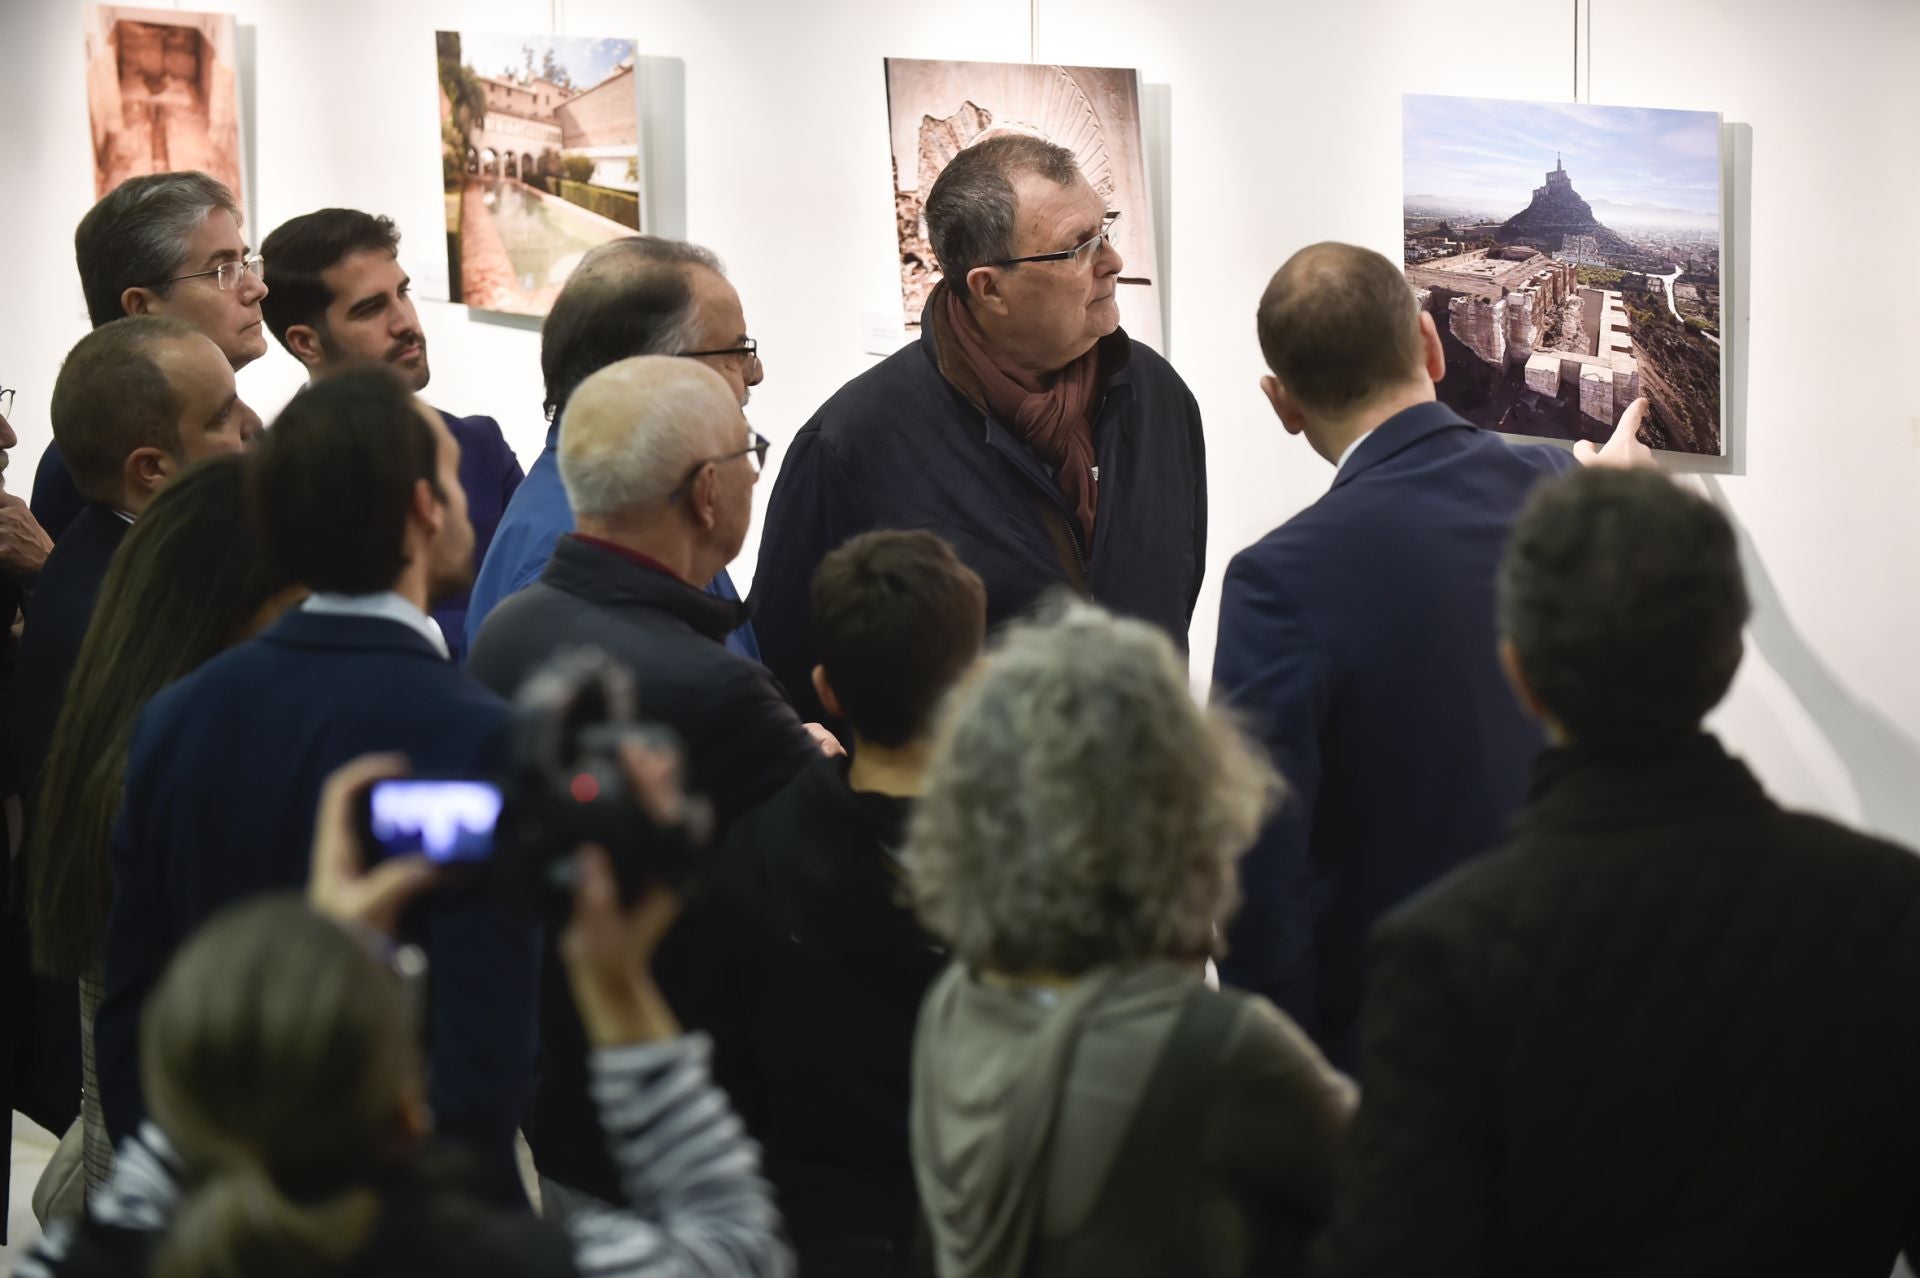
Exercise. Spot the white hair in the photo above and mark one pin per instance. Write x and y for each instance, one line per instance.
(633, 430)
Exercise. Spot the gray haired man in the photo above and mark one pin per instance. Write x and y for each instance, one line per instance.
(641, 295)
(166, 244)
(1024, 426)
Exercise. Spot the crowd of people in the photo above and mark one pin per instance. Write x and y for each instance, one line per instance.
(1519, 970)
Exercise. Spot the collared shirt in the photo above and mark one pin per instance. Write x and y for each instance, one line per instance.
(627, 553)
(387, 604)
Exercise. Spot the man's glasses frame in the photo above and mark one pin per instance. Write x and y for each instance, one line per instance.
(6, 401)
(748, 347)
(1079, 252)
(756, 450)
(227, 274)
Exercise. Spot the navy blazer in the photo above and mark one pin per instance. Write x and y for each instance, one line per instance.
(58, 614)
(222, 779)
(1358, 639)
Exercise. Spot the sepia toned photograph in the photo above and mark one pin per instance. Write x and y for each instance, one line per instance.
(937, 109)
(540, 160)
(1570, 257)
(163, 93)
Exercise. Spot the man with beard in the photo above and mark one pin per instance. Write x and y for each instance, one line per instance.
(339, 297)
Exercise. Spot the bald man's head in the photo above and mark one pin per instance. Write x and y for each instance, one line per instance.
(633, 430)
(1339, 325)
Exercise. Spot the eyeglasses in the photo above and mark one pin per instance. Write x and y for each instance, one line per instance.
(756, 450)
(6, 401)
(748, 347)
(228, 273)
(1079, 253)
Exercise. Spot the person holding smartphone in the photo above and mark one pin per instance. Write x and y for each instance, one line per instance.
(285, 1080)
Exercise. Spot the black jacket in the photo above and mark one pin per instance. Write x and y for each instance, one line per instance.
(819, 970)
(742, 739)
(57, 620)
(900, 447)
(1667, 1029)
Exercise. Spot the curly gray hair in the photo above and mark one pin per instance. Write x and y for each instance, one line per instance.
(1080, 808)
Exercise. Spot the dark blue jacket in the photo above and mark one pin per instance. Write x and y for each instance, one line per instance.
(489, 473)
(222, 778)
(537, 518)
(901, 447)
(1358, 638)
(58, 615)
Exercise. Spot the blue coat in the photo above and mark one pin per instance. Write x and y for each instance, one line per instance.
(489, 474)
(536, 519)
(901, 447)
(1358, 639)
(222, 778)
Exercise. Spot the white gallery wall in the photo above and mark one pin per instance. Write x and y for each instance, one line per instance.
(1278, 124)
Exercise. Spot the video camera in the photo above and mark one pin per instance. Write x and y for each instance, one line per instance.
(565, 787)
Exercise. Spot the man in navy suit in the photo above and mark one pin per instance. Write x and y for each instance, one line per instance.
(337, 296)
(1358, 637)
(356, 492)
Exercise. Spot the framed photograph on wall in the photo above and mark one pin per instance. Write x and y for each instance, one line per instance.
(1570, 256)
(936, 109)
(540, 161)
(163, 94)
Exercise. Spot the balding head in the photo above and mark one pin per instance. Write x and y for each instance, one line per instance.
(631, 296)
(1339, 326)
(634, 429)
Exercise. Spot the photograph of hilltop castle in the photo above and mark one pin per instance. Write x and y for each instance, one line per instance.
(540, 161)
(1570, 257)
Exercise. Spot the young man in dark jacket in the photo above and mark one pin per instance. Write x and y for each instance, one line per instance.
(819, 965)
(659, 466)
(1667, 1027)
(1024, 426)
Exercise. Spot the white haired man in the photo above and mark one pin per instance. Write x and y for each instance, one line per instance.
(659, 466)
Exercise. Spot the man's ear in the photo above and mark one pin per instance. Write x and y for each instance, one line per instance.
(829, 701)
(428, 507)
(138, 301)
(1433, 355)
(1283, 404)
(701, 497)
(983, 289)
(147, 470)
(303, 342)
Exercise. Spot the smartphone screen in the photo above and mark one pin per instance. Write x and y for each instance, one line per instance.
(449, 820)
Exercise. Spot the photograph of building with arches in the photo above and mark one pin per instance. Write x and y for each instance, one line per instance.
(937, 109)
(1569, 254)
(540, 158)
(162, 94)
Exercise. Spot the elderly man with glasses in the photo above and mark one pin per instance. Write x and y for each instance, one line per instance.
(1024, 426)
(659, 466)
(166, 244)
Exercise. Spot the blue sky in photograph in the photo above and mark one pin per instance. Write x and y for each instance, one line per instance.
(1495, 152)
(587, 60)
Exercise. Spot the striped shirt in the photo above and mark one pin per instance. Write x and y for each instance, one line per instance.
(697, 1204)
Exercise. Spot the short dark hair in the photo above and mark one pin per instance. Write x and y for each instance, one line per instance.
(970, 210)
(1338, 325)
(1623, 599)
(301, 249)
(627, 297)
(136, 236)
(896, 619)
(334, 479)
(112, 397)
